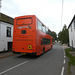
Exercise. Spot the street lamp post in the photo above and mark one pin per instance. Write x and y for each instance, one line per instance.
(0, 11)
(62, 14)
(0, 6)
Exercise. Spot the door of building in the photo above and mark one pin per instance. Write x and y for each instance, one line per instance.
(9, 46)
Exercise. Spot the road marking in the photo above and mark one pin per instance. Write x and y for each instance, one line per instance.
(64, 56)
(63, 68)
(13, 67)
(64, 53)
(64, 61)
(62, 72)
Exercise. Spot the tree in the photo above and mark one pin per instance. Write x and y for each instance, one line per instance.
(54, 36)
(63, 35)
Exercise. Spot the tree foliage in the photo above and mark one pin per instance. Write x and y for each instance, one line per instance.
(63, 35)
(54, 36)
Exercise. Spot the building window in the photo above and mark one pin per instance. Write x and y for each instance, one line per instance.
(72, 43)
(8, 31)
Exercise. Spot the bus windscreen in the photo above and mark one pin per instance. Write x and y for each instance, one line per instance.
(24, 21)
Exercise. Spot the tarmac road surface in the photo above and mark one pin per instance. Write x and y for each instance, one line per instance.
(51, 63)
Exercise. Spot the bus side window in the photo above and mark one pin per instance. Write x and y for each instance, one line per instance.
(49, 32)
(43, 29)
(39, 25)
(46, 30)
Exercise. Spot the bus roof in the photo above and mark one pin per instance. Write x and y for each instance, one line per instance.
(32, 16)
(25, 16)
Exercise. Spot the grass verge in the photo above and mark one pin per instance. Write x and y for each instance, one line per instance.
(71, 59)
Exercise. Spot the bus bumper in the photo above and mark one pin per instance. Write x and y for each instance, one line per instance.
(33, 53)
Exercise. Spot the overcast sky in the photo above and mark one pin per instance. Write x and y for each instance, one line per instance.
(48, 11)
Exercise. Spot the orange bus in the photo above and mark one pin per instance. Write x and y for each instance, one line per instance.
(31, 36)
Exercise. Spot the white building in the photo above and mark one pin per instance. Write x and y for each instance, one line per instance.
(71, 29)
(6, 32)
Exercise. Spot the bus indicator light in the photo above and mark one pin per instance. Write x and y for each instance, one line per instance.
(29, 46)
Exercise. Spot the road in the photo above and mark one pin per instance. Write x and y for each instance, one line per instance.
(51, 63)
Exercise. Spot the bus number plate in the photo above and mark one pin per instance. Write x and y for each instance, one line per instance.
(23, 53)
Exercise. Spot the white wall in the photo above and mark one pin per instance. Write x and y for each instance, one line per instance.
(72, 35)
(3, 38)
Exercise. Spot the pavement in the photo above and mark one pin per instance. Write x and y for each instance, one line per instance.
(72, 68)
(73, 53)
(5, 54)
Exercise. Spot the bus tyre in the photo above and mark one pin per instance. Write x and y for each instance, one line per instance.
(50, 48)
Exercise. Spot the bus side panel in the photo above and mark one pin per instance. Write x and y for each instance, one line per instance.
(38, 43)
(34, 34)
(40, 35)
(39, 47)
